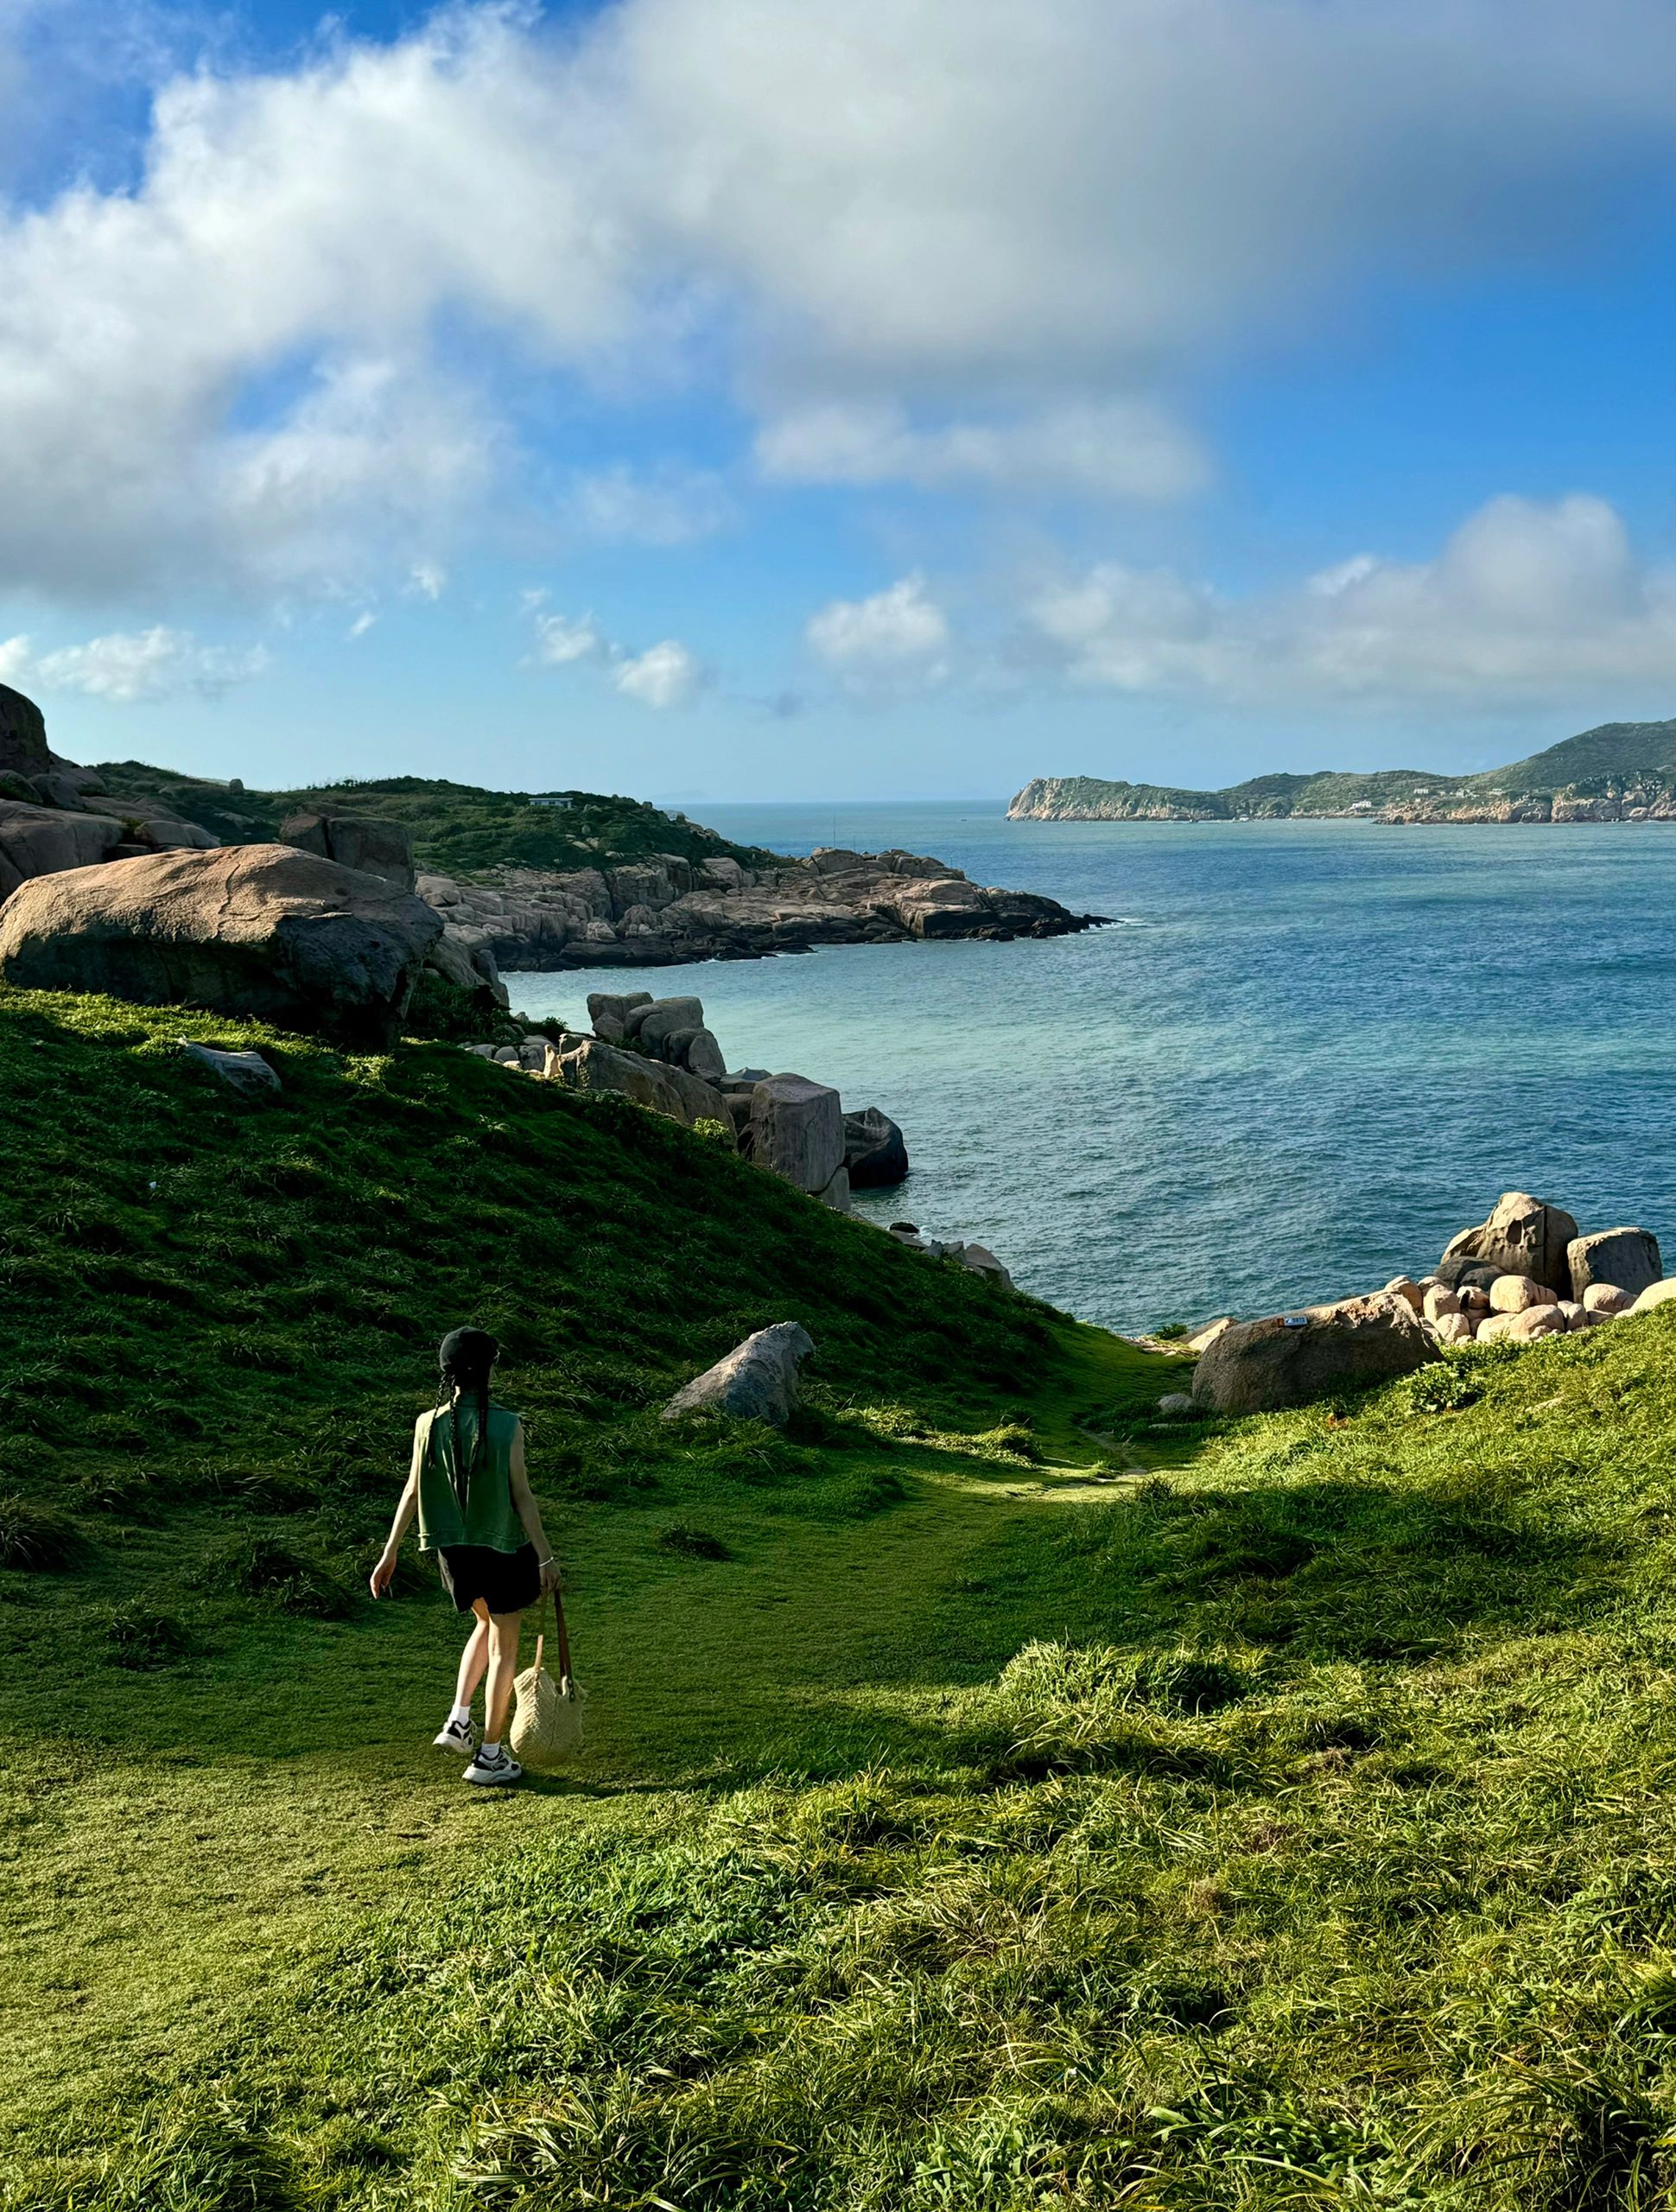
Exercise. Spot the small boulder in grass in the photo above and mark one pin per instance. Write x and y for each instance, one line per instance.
(1475, 1300)
(245, 1071)
(1440, 1301)
(1603, 1300)
(1452, 1329)
(1519, 1294)
(1574, 1315)
(756, 1381)
(1656, 1293)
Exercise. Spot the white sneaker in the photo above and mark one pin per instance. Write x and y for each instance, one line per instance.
(499, 1766)
(456, 1737)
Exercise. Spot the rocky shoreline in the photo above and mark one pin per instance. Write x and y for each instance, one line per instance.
(1525, 1274)
(666, 911)
(1056, 798)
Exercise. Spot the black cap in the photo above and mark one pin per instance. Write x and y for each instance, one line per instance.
(464, 1354)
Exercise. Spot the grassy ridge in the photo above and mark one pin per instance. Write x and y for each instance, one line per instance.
(1600, 763)
(457, 829)
(963, 1830)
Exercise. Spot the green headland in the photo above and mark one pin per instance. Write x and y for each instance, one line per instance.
(1622, 771)
(994, 1796)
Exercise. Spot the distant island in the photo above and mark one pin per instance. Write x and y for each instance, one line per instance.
(1622, 772)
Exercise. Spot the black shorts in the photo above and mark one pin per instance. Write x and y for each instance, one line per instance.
(507, 1582)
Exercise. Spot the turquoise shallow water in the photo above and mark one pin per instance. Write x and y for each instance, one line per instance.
(1306, 1054)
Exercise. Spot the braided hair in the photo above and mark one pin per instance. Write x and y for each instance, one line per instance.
(466, 1358)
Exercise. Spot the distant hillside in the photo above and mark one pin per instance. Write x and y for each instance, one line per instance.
(457, 829)
(1620, 771)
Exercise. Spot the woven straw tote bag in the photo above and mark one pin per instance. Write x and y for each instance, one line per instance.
(547, 1726)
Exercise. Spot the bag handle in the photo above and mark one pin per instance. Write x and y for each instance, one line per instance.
(556, 1603)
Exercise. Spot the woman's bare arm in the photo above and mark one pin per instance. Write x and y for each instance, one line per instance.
(530, 1513)
(406, 1505)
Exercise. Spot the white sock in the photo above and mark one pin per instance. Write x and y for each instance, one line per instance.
(489, 1751)
(459, 1716)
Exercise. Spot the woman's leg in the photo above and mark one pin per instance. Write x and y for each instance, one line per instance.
(474, 1658)
(502, 1633)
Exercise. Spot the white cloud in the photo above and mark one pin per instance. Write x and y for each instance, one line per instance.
(358, 628)
(665, 507)
(128, 667)
(1127, 450)
(1526, 602)
(559, 640)
(428, 580)
(946, 242)
(899, 635)
(665, 675)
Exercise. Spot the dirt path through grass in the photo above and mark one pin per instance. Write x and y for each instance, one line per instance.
(154, 1897)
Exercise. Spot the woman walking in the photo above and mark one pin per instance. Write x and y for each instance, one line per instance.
(468, 1486)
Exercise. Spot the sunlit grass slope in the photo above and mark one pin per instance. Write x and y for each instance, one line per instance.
(1288, 1823)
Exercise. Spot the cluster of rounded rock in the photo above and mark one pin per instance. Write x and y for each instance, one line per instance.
(664, 908)
(661, 1053)
(1524, 1274)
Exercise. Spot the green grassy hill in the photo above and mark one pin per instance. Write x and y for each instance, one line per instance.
(967, 1824)
(457, 829)
(1616, 758)
(1620, 754)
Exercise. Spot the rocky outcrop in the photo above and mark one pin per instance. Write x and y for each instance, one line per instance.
(1523, 1236)
(665, 910)
(758, 1381)
(372, 843)
(1487, 1289)
(1628, 1259)
(261, 931)
(795, 1128)
(23, 735)
(41, 840)
(586, 1064)
(1292, 1359)
(875, 1152)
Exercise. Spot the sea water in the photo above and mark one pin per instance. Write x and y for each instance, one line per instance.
(1302, 1056)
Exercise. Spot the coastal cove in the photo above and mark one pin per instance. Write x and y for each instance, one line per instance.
(1303, 1054)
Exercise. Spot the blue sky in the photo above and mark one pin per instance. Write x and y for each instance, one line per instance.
(836, 398)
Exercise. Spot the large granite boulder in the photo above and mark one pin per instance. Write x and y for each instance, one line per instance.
(587, 1064)
(796, 1130)
(941, 906)
(1627, 1258)
(1523, 1236)
(1656, 1293)
(874, 1152)
(609, 1011)
(23, 747)
(758, 1381)
(651, 1026)
(698, 1052)
(43, 841)
(367, 841)
(1289, 1360)
(262, 930)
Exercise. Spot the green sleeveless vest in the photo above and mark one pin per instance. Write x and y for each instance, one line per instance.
(489, 1517)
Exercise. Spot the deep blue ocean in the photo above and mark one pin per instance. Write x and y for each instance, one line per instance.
(1302, 1057)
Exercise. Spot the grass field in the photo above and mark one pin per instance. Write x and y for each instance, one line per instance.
(966, 1821)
